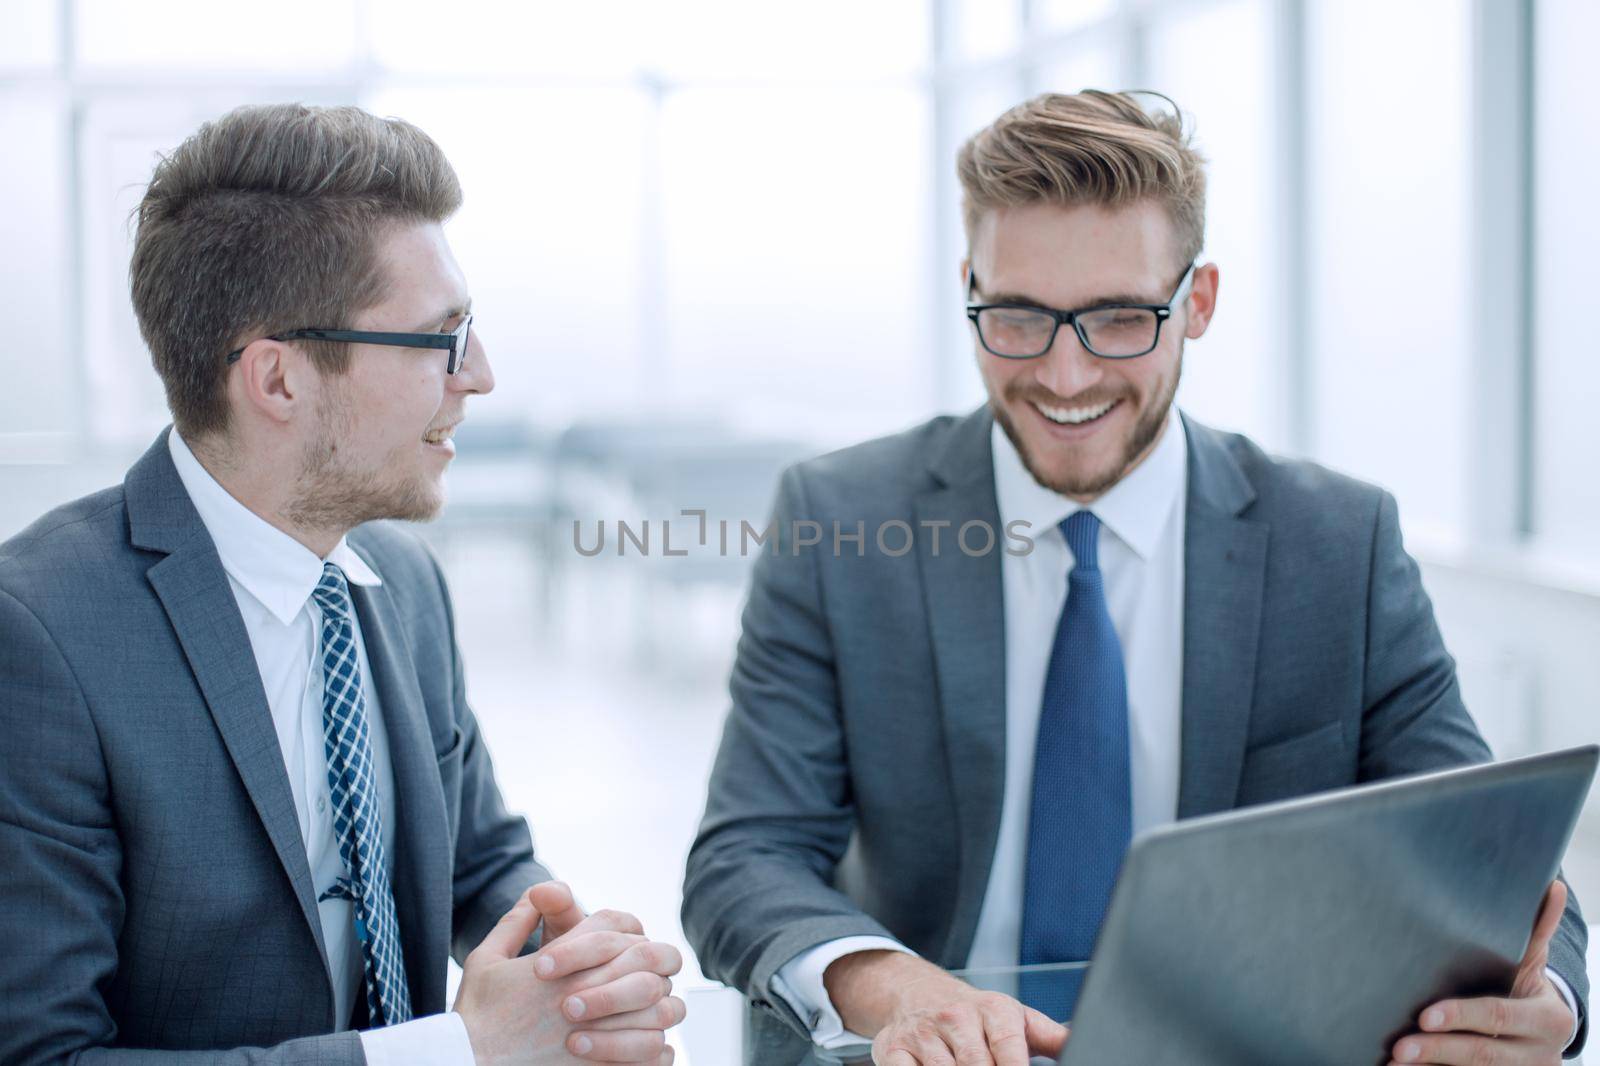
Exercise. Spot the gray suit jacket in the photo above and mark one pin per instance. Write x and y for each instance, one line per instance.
(154, 886)
(859, 782)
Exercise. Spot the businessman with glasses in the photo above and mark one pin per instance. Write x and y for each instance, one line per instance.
(936, 758)
(246, 812)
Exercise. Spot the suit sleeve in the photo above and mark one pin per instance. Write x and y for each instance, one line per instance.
(61, 904)
(1414, 718)
(494, 860)
(779, 814)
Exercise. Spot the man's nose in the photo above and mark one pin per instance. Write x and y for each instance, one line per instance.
(475, 373)
(1069, 368)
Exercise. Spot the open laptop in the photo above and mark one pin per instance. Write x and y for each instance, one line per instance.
(1315, 931)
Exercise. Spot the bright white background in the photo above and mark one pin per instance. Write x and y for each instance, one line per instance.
(737, 222)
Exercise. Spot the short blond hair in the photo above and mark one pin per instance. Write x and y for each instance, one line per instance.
(1091, 147)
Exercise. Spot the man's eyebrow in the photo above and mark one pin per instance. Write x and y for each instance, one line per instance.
(435, 320)
(1099, 301)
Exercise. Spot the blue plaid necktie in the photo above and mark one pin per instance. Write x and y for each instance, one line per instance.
(356, 819)
(1081, 820)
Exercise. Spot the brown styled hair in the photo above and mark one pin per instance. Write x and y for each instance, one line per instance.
(1091, 147)
(269, 219)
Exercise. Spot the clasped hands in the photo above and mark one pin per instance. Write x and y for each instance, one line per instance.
(597, 990)
(919, 1015)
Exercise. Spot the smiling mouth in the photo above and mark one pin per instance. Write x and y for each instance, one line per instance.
(439, 436)
(1075, 416)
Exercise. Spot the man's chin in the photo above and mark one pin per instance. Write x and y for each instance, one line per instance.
(424, 505)
(1074, 474)
(422, 501)
(1074, 480)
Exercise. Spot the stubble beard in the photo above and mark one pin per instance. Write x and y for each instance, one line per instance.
(332, 493)
(1095, 483)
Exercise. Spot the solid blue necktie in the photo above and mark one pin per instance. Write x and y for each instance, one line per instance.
(356, 818)
(1081, 820)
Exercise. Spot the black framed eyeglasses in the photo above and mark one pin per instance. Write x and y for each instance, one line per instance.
(1110, 331)
(455, 342)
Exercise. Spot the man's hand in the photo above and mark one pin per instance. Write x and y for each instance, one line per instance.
(558, 909)
(919, 1015)
(597, 990)
(1531, 1027)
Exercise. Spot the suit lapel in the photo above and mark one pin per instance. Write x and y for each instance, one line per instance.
(422, 859)
(193, 588)
(966, 619)
(1225, 558)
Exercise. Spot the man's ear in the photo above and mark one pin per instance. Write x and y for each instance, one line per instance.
(965, 271)
(271, 379)
(1202, 300)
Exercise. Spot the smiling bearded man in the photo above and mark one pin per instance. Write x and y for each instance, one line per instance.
(936, 759)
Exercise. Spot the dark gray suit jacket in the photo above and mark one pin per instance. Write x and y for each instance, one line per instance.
(858, 786)
(154, 887)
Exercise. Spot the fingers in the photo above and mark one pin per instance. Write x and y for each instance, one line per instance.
(642, 956)
(511, 933)
(1460, 1049)
(1533, 1019)
(582, 951)
(663, 1014)
(634, 991)
(953, 1035)
(961, 1028)
(606, 920)
(625, 1045)
(1005, 1029)
(911, 1043)
(1530, 972)
(1046, 1036)
(561, 911)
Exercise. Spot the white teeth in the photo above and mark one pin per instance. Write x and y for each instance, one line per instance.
(1073, 416)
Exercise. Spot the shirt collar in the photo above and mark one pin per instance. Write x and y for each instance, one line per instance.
(271, 565)
(1135, 509)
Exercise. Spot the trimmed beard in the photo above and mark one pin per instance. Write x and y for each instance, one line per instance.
(1140, 441)
(330, 493)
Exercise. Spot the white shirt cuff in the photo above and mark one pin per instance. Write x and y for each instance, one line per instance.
(437, 1040)
(1572, 1001)
(799, 982)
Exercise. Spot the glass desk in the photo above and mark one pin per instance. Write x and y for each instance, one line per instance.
(713, 1033)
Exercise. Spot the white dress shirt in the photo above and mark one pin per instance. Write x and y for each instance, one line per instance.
(272, 576)
(1141, 556)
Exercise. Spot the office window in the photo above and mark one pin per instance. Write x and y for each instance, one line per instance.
(183, 35)
(1059, 15)
(824, 40)
(32, 38)
(1566, 237)
(977, 30)
(492, 39)
(1085, 64)
(794, 234)
(1389, 272)
(36, 362)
